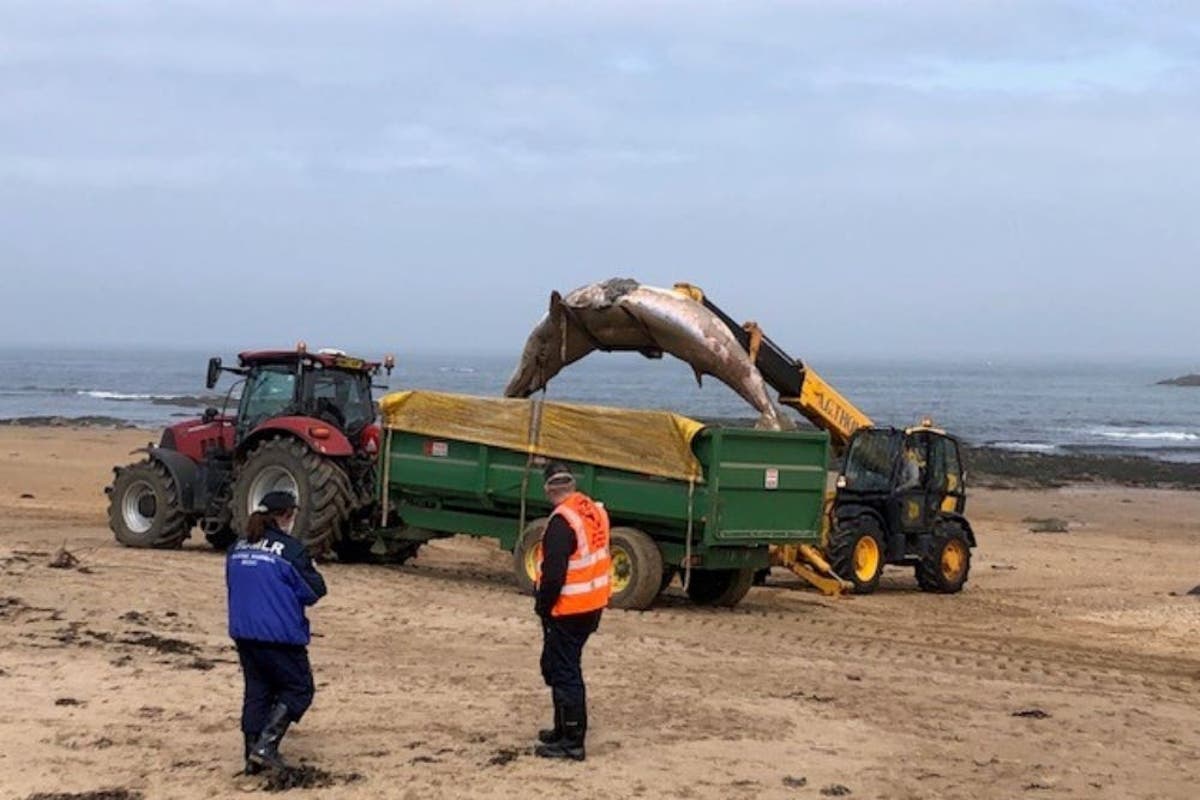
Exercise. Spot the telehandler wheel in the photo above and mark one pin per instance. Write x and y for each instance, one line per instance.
(856, 552)
(719, 587)
(322, 489)
(637, 569)
(143, 507)
(525, 554)
(946, 562)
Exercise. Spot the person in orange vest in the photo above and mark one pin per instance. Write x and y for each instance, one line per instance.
(572, 591)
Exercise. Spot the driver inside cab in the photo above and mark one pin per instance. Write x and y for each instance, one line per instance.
(910, 469)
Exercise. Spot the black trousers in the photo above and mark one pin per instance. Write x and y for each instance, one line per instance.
(274, 673)
(563, 639)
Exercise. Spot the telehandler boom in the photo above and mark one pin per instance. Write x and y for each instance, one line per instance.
(900, 495)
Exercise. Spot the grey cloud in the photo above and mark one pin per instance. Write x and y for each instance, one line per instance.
(1001, 152)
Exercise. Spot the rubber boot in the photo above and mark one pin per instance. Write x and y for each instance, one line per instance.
(552, 735)
(251, 739)
(266, 750)
(574, 730)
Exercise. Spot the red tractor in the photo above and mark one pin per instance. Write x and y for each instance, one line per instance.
(306, 422)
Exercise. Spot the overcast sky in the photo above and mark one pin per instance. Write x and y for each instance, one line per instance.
(862, 178)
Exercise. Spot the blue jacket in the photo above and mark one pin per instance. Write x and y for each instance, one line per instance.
(270, 582)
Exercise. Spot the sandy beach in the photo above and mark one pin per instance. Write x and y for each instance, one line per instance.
(1068, 667)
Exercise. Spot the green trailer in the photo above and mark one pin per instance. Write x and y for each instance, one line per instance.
(700, 502)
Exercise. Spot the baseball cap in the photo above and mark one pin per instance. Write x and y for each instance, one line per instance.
(557, 472)
(278, 501)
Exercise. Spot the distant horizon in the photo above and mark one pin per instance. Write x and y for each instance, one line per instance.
(1190, 364)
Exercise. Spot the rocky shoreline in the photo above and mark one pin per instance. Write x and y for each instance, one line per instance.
(1005, 469)
(52, 421)
(1183, 380)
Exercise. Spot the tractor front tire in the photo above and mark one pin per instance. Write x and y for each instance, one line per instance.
(719, 587)
(143, 507)
(945, 562)
(856, 552)
(322, 490)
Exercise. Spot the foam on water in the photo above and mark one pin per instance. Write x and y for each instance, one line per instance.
(1026, 447)
(1132, 435)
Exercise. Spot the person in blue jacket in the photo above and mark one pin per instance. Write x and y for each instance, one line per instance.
(271, 579)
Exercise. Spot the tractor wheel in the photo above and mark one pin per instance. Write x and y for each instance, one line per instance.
(946, 560)
(856, 552)
(719, 587)
(143, 507)
(321, 487)
(525, 555)
(637, 569)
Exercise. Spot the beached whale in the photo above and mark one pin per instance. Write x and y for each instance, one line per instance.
(622, 314)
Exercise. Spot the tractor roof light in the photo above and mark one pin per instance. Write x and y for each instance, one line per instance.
(389, 363)
(301, 347)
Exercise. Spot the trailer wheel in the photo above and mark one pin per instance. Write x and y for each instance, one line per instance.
(719, 587)
(525, 554)
(946, 560)
(856, 552)
(637, 569)
(143, 507)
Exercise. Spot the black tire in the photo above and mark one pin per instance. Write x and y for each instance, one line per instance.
(524, 568)
(856, 552)
(143, 507)
(222, 539)
(321, 485)
(637, 569)
(719, 587)
(359, 551)
(945, 562)
(354, 551)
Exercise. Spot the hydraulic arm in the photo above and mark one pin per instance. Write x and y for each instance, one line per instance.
(797, 384)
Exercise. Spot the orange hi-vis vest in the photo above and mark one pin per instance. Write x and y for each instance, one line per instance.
(588, 585)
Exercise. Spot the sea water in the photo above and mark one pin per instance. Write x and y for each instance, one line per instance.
(1035, 406)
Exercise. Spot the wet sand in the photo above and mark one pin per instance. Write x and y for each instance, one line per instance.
(1068, 668)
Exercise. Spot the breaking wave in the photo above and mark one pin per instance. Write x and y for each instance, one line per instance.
(1026, 447)
(178, 400)
(100, 395)
(1147, 436)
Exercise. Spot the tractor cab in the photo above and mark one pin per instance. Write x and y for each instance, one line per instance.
(305, 423)
(327, 386)
(900, 499)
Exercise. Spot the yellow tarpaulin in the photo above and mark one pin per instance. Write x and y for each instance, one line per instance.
(649, 442)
